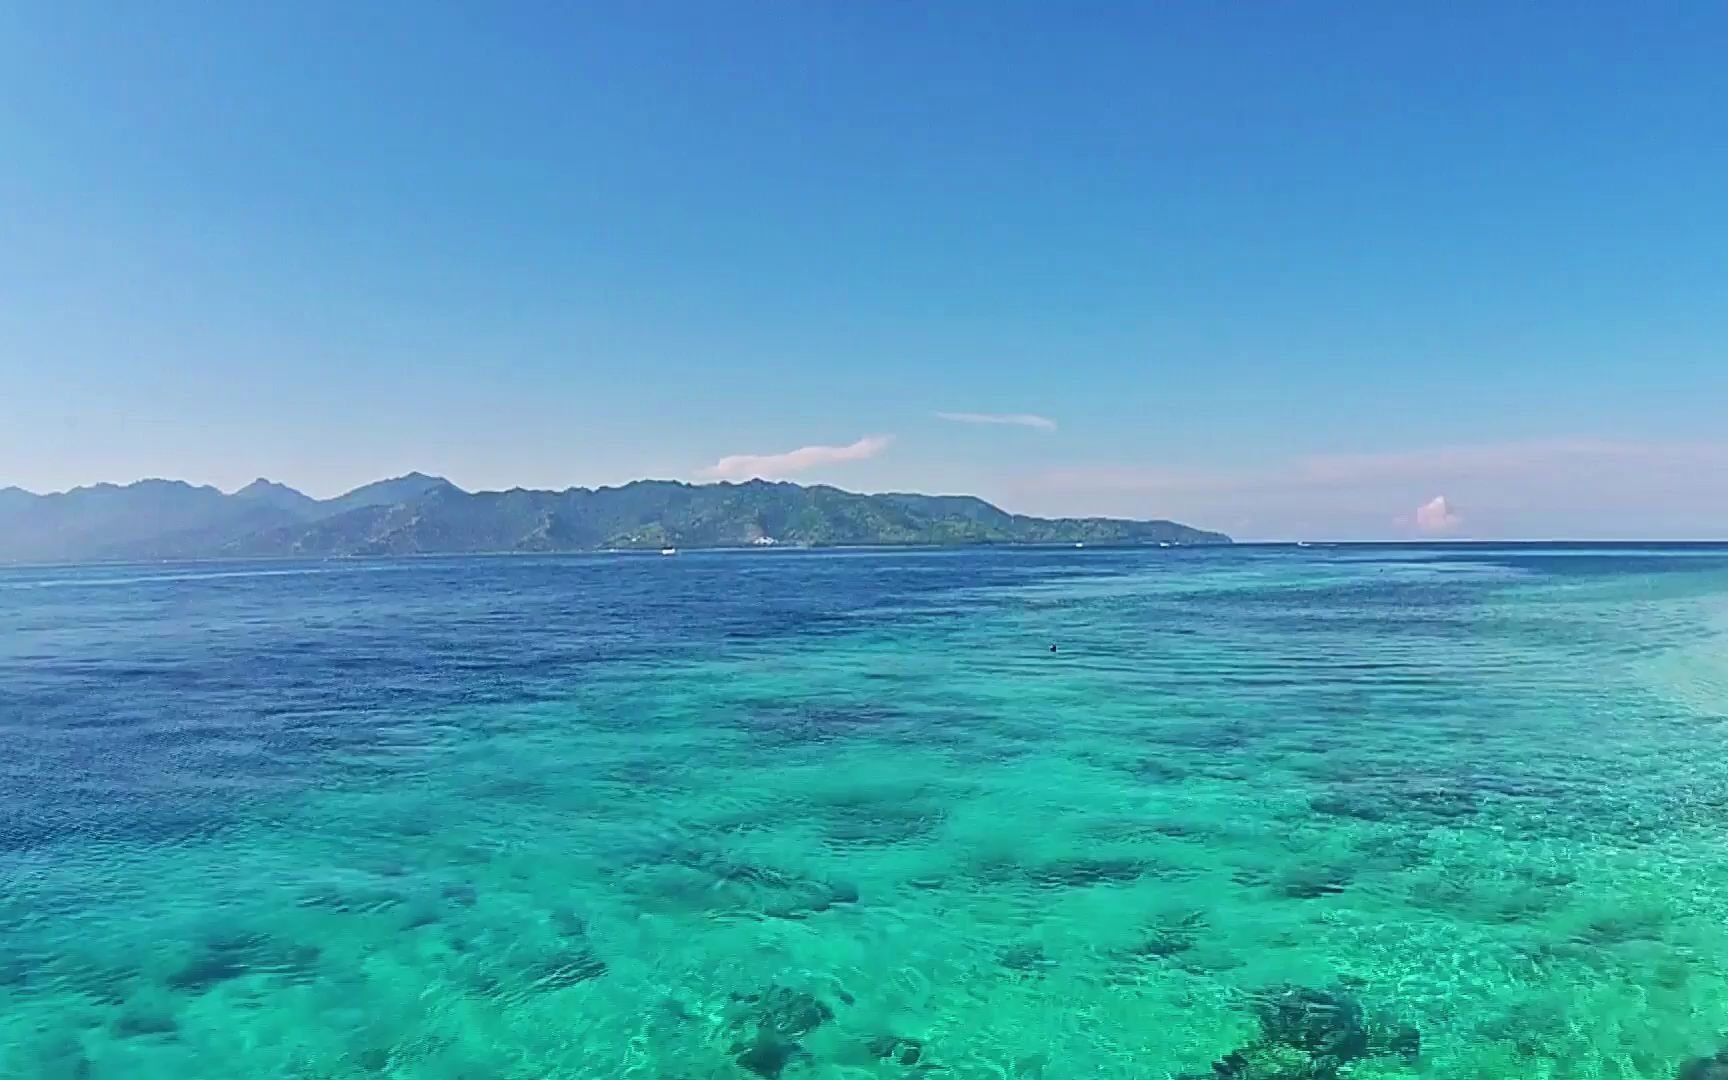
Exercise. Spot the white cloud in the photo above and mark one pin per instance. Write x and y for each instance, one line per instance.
(1437, 516)
(803, 459)
(1031, 420)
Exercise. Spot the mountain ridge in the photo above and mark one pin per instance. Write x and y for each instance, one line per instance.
(417, 514)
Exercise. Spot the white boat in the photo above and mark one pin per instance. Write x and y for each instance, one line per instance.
(668, 551)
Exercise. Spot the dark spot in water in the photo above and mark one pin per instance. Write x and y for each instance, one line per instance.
(373, 1059)
(63, 1059)
(691, 876)
(767, 1054)
(351, 901)
(1158, 770)
(1622, 926)
(1027, 958)
(1206, 960)
(413, 826)
(769, 1023)
(901, 1051)
(1312, 882)
(1426, 800)
(460, 893)
(1397, 852)
(1178, 830)
(806, 898)
(819, 722)
(732, 871)
(421, 916)
(1174, 934)
(565, 969)
(15, 968)
(1318, 1022)
(1163, 943)
(1211, 736)
(786, 1012)
(1266, 1061)
(568, 922)
(217, 963)
(1547, 877)
(94, 975)
(145, 1023)
(645, 772)
(1349, 806)
(1406, 1042)
(880, 827)
(1080, 872)
(1714, 1067)
(486, 984)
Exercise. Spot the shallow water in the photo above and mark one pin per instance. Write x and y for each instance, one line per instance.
(846, 815)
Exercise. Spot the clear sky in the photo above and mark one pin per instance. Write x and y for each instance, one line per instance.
(1285, 269)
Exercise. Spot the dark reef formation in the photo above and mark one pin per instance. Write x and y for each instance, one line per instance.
(1311, 1034)
(1714, 1067)
(767, 1025)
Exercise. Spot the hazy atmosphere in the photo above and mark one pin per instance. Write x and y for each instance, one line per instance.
(1327, 271)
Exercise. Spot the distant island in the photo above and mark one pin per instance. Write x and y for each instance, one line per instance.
(427, 515)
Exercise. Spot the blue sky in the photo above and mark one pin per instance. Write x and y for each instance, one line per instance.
(1283, 269)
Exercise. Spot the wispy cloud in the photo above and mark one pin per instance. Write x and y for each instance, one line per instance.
(1436, 516)
(1031, 420)
(803, 459)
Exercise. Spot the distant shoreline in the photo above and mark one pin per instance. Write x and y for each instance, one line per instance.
(889, 549)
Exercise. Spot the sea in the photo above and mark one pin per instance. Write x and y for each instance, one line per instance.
(1250, 813)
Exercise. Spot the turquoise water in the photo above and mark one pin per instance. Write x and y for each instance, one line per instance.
(1264, 814)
